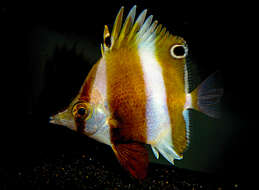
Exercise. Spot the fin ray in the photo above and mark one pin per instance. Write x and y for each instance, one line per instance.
(137, 24)
(117, 25)
(133, 157)
(165, 147)
(168, 152)
(149, 33)
(156, 153)
(127, 24)
(206, 96)
(145, 26)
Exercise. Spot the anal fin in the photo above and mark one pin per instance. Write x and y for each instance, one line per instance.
(155, 151)
(133, 157)
(165, 147)
(168, 152)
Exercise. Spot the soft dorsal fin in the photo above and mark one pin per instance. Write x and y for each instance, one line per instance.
(133, 157)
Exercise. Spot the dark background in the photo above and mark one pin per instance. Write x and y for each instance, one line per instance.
(47, 51)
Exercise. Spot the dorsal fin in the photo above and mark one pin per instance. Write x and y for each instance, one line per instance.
(117, 26)
(141, 32)
(127, 24)
(136, 27)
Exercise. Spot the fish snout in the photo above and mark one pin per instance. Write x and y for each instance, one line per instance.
(64, 118)
(52, 119)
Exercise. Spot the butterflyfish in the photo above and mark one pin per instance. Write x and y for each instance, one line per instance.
(138, 93)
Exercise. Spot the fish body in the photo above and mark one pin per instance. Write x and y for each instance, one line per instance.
(138, 93)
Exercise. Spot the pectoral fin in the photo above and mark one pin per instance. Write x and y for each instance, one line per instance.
(133, 157)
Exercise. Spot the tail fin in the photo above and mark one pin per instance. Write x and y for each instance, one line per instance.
(206, 96)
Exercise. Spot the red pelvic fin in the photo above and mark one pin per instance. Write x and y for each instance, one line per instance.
(133, 157)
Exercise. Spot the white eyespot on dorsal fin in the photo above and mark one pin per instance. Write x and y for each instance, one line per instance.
(179, 51)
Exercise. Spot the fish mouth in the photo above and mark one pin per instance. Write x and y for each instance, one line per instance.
(64, 118)
(52, 119)
(55, 120)
(62, 122)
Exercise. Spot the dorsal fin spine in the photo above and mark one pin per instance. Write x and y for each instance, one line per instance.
(154, 34)
(150, 34)
(137, 24)
(117, 26)
(106, 34)
(127, 25)
(145, 27)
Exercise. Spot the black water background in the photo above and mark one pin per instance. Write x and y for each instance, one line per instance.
(218, 39)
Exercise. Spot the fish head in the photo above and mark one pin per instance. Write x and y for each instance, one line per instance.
(84, 117)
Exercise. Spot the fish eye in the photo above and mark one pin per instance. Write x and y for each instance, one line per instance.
(179, 51)
(82, 110)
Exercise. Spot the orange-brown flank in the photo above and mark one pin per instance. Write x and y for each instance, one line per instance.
(126, 95)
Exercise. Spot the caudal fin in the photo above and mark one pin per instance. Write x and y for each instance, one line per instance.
(207, 95)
